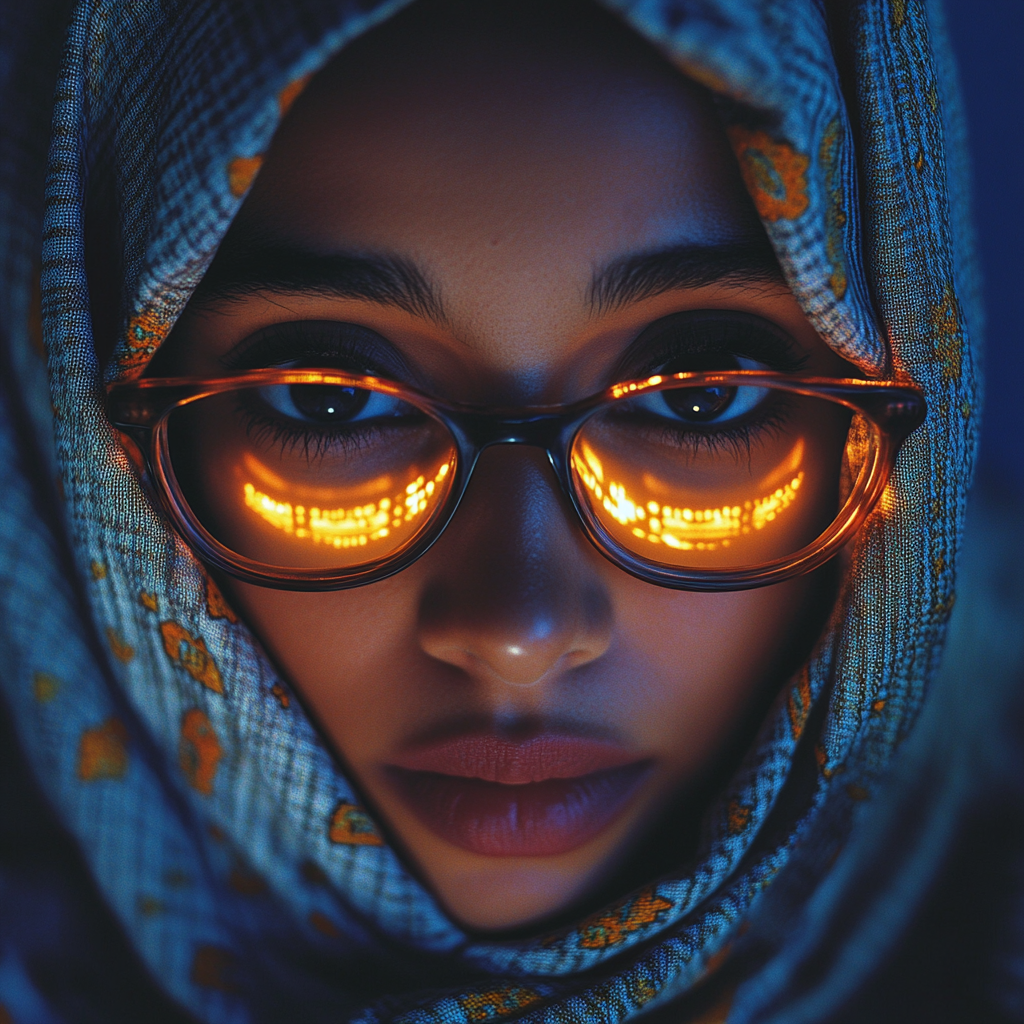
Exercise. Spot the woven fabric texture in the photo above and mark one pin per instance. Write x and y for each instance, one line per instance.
(219, 829)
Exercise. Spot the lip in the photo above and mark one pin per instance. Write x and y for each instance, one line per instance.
(537, 797)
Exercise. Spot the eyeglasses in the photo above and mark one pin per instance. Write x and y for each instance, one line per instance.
(321, 479)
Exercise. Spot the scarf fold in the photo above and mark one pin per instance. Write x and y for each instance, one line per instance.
(219, 830)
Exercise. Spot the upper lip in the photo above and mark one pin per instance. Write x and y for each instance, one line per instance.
(515, 762)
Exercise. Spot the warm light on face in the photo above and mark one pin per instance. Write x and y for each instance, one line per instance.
(685, 529)
(350, 527)
(626, 389)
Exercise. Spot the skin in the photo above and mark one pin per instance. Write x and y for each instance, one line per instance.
(508, 169)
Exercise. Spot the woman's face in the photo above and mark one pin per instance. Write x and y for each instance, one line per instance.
(518, 712)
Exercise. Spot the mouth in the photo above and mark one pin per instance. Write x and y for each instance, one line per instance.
(538, 797)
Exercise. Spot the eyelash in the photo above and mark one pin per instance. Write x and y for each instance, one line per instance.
(325, 342)
(261, 427)
(712, 335)
(736, 440)
(295, 342)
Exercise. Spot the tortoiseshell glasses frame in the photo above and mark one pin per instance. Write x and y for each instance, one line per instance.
(891, 410)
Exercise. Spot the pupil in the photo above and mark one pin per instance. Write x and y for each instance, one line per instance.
(700, 404)
(324, 403)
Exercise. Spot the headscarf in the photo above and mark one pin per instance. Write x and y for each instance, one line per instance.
(219, 830)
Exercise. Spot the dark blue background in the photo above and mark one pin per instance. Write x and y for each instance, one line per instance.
(988, 39)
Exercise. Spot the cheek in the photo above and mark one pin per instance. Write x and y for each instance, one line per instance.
(704, 666)
(350, 654)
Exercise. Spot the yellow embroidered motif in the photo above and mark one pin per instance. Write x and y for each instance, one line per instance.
(191, 654)
(641, 990)
(199, 751)
(103, 752)
(946, 323)
(774, 172)
(98, 570)
(830, 155)
(149, 601)
(612, 927)
(498, 1002)
(281, 694)
(352, 826)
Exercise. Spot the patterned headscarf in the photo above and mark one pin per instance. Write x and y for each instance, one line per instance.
(219, 830)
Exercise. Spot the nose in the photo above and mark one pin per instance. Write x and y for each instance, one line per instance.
(515, 594)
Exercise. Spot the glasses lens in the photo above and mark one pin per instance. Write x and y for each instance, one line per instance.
(712, 477)
(311, 476)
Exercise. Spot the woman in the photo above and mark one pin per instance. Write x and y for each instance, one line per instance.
(577, 753)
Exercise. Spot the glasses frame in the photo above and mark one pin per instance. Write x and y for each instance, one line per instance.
(141, 410)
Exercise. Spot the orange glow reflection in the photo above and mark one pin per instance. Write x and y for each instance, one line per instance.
(349, 527)
(685, 529)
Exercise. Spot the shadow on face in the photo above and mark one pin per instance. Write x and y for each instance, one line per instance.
(502, 198)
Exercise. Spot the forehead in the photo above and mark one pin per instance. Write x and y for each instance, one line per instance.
(512, 151)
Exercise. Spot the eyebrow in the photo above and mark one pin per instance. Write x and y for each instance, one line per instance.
(246, 264)
(641, 276)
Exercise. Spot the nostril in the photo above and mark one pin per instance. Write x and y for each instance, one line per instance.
(514, 592)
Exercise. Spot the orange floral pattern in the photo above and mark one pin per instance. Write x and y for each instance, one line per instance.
(774, 172)
(498, 1002)
(119, 648)
(830, 155)
(103, 752)
(352, 826)
(611, 927)
(739, 816)
(798, 703)
(191, 654)
(199, 751)
(216, 606)
(290, 93)
(146, 330)
(242, 173)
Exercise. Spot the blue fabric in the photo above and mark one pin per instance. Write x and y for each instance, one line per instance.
(218, 830)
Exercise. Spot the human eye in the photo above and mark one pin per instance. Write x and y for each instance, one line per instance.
(707, 404)
(713, 414)
(318, 420)
(330, 405)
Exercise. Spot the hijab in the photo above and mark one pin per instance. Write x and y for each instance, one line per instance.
(218, 830)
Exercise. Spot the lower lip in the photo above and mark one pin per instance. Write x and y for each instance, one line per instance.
(536, 819)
